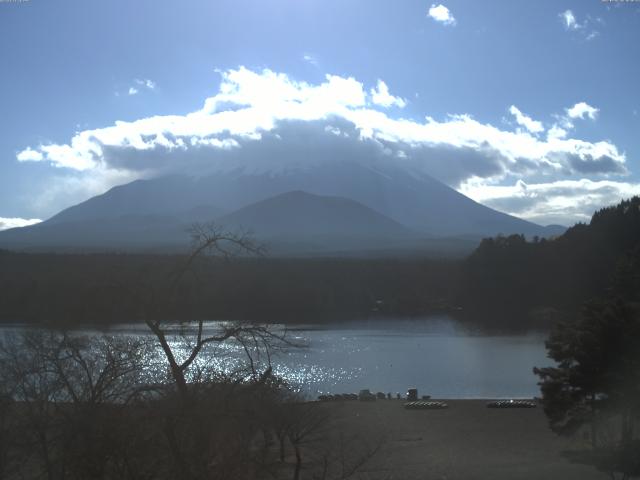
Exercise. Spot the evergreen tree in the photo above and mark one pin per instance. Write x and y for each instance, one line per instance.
(597, 380)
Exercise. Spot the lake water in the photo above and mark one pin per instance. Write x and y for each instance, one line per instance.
(432, 354)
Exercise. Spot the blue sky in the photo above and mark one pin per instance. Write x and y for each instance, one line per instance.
(540, 100)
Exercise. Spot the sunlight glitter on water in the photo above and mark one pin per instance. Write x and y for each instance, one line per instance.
(433, 355)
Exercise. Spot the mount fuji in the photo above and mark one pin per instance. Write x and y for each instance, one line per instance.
(338, 206)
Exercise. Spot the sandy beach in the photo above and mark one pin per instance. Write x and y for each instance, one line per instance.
(465, 441)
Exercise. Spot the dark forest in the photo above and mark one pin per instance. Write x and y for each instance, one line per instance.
(508, 282)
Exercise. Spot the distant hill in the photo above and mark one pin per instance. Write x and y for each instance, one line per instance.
(299, 222)
(304, 214)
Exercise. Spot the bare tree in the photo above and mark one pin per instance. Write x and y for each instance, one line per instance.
(208, 241)
(191, 425)
(71, 391)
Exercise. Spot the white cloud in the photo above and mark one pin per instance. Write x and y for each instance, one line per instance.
(252, 103)
(145, 82)
(556, 133)
(29, 155)
(310, 59)
(260, 119)
(564, 124)
(381, 96)
(592, 35)
(441, 14)
(6, 223)
(582, 110)
(531, 125)
(569, 20)
(584, 29)
(140, 83)
(562, 201)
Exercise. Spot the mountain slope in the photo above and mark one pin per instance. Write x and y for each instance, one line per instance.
(167, 195)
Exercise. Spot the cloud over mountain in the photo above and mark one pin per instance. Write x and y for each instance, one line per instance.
(562, 201)
(266, 121)
(7, 223)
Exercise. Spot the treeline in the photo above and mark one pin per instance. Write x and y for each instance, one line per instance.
(509, 282)
(109, 288)
(512, 279)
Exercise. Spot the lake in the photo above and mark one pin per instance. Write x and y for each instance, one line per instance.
(434, 354)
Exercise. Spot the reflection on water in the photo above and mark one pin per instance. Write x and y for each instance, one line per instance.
(431, 354)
